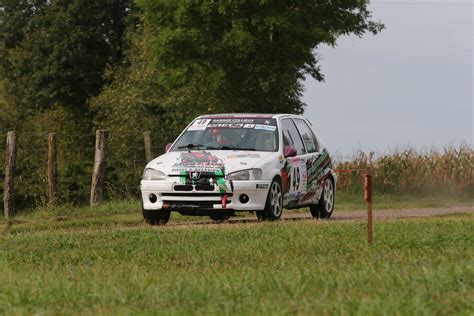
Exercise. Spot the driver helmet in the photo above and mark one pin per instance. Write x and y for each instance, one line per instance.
(217, 136)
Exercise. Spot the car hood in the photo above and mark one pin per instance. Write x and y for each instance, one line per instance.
(227, 161)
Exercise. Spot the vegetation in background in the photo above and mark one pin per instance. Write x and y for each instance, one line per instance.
(245, 55)
(420, 267)
(449, 171)
(52, 58)
(55, 52)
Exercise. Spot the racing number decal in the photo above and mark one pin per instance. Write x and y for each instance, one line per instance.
(199, 125)
(201, 122)
(296, 183)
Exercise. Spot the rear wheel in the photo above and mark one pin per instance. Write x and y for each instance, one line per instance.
(326, 204)
(156, 217)
(274, 204)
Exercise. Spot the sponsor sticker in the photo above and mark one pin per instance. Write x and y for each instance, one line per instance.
(265, 127)
(196, 168)
(227, 125)
(233, 120)
(243, 156)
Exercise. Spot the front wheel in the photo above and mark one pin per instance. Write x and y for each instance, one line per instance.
(274, 204)
(156, 217)
(325, 205)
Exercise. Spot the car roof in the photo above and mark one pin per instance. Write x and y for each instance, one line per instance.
(245, 115)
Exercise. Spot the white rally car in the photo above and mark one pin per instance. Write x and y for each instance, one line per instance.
(225, 163)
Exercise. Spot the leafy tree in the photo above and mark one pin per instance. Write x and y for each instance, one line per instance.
(5, 110)
(248, 55)
(134, 102)
(55, 52)
(53, 55)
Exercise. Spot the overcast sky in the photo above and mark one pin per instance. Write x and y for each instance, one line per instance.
(412, 84)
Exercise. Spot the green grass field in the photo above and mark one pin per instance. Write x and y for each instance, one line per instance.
(110, 263)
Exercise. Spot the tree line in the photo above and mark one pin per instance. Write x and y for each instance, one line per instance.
(73, 66)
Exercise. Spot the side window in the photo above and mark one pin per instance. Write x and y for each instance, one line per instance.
(291, 136)
(307, 134)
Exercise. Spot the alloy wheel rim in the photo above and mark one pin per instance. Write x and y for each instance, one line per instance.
(328, 195)
(276, 199)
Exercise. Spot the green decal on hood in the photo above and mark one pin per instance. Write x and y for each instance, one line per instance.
(182, 177)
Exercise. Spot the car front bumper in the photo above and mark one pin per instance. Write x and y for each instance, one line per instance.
(161, 194)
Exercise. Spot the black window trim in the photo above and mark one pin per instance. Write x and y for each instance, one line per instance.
(299, 134)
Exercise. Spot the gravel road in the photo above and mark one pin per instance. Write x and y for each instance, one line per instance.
(360, 215)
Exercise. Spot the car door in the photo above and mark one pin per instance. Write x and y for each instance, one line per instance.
(294, 170)
(317, 162)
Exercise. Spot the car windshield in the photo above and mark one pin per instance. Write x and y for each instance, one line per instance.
(258, 134)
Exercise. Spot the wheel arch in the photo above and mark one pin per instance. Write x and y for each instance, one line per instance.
(333, 176)
(275, 173)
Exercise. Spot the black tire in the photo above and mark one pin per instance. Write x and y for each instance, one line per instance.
(156, 217)
(274, 204)
(219, 217)
(325, 206)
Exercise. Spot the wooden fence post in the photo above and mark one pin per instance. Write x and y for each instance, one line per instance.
(368, 199)
(53, 195)
(10, 161)
(148, 149)
(98, 173)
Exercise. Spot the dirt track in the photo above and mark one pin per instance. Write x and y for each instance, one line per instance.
(346, 215)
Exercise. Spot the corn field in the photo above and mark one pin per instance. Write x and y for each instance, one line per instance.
(411, 171)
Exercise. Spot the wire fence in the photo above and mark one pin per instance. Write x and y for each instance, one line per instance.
(125, 162)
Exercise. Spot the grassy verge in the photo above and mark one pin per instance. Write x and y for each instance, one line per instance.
(383, 201)
(422, 266)
(127, 213)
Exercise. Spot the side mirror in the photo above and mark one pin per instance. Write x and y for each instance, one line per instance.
(289, 151)
(167, 147)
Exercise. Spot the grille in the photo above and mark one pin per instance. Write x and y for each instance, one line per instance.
(204, 187)
(198, 187)
(183, 187)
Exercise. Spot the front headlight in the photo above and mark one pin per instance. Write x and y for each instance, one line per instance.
(152, 174)
(249, 174)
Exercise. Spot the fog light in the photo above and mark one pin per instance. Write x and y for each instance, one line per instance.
(153, 198)
(243, 198)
